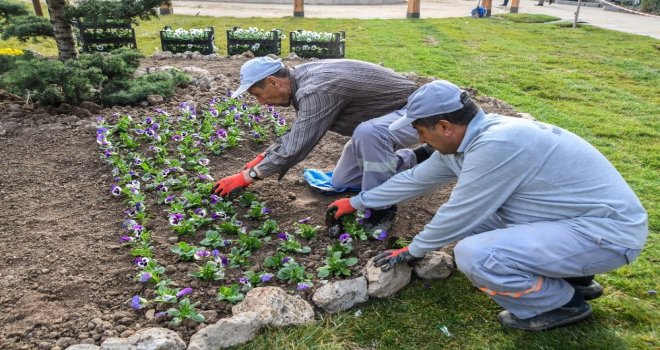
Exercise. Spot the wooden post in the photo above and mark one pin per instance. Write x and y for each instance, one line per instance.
(37, 8)
(487, 4)
(413, 9)
(166, 8)
(514, 6)
(298, 8)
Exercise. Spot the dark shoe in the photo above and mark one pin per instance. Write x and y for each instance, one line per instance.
(380, 220)
(589, 292)
(423, 152)
(552, 319)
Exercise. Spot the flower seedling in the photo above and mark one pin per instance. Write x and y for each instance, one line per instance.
(258, 211)
(185, 251)
(353, 227)
(269, 227)
(336, 265)
(306, 230)
(247, 242)
(239, 257)
(210, 271)
(231, 227)
(275, 261)
(294, 272)
(342, 245)
(288, 243)
(213, 240)
(186, 310)
(151, 272)
(246, 199)
(165, 294)
(231, 293)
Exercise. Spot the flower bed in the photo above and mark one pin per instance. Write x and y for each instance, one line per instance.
(260, 42)
(181, 40)
(106, 37)
(317, 44)
(160, 164)
(8, 51)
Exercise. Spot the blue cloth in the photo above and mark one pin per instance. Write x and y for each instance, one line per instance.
(322, 182)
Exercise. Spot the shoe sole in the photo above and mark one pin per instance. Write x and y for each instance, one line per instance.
(568, 321)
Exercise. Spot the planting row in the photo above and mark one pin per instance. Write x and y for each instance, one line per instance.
(160, 164)
(110, 36)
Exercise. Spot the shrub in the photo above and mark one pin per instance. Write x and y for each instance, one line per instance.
(25, 27)
(11, 8)
(100, 77)
(651, 6)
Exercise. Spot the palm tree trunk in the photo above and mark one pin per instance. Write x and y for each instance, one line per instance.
(66, 43)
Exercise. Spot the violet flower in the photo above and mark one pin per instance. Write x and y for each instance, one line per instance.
(303, 285)
(243, 280)
(145, 277)
(137, 229)
(345, 238)
(125, 239)
(203, 161)
(175, 219)
(221, 133)
(115, 190)
(177, 138)
(286, 259)
(149, 121)
(201, 254)
(169, 199)
(305, 220)
(283, 236)
(139, 207)
(265, 211)
(141, 261)
(215, 199)
(266, 277)
(224, 261)
(160, 314)
(184, 291)
(200, 212)
(381, 235)
(137, 303)
(205, 177)
(215, 253)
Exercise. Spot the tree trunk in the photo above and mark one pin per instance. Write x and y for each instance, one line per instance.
(66, 43)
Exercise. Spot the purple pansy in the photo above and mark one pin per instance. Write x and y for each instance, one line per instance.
(145, 277)
(184, 291)
(177, 138)
(175, 219)
(283, 236)
(305, 220)
(215, 199)
(137, 303)
(303, 285)
(169, 199)
(265, 211)
(203, 161)
(125, 239)
(286, 259)
(201, 254)
(345, 238)
(137, 229)
(200, 212)
(141, 261)
(221, 133)
(266, 277)
(380, 235)
(243, 280)
(115, 190)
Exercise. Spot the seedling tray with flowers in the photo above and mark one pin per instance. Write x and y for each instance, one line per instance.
(317, 44)
(260, 42)
(105, 37)
(192, 250)
(181, 40)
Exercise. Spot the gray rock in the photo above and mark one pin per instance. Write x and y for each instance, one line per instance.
(80, 112)
(162, 55)
(154, 99)
(91, 106)
(385, 284)
(526, 116)
(435, 265)
(273, 302)
(83, 347)
(64, 342)
(227, 332)
(291, 57)
(341, 295)
(146, 339)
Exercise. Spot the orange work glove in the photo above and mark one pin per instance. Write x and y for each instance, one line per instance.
(254, 162)
(230, 184)
(341, 207)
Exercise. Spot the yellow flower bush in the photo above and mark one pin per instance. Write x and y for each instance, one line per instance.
(8, 51)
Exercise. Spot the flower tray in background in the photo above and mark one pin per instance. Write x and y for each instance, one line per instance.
(181, 40)
(260, 42)
(105, 37)
(308, 44)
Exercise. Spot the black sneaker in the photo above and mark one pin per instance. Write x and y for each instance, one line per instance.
(552, 319)
(380, 219)
(590, 292)
(586, 286)
(422, 152)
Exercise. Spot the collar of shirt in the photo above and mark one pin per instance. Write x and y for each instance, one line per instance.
(294, 86)
(473, 129)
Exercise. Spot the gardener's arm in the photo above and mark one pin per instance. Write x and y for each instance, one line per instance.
(316, 113)
(490, 174)
(423, 178)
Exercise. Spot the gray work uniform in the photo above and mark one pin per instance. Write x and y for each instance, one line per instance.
(533, 203)
(352, 98)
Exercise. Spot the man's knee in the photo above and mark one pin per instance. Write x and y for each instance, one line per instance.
(364, 130)
(467, 253)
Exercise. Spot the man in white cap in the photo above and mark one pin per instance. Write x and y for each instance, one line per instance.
(538, 211)
(352, 98)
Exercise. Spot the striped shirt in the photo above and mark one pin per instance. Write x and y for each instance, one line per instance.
(334, 95)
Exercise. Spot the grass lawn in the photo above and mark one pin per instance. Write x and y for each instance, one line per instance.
(602, 85)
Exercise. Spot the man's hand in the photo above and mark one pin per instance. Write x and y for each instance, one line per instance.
(340, 208)
(254, 162)
(390, 258)
(230, 184)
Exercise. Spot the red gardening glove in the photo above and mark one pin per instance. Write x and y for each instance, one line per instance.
(230, 184)
(254, 162)
(341, 207)
(390, 258)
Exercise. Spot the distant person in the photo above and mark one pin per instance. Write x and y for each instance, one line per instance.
(536, 210)
(505, 3)
(352, 98)
(540, 3)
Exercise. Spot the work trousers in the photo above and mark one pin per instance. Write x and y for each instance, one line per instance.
(374, 153)
(522, 266)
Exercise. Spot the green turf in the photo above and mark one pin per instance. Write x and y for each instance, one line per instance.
(602, 85)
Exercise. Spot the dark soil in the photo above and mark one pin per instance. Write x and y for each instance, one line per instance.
(65, 279)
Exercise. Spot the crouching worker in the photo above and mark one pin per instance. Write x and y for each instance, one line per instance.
(537, 210)
(352, 98)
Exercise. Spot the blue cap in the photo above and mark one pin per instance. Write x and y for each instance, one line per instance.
(255, 70)
(437, 97)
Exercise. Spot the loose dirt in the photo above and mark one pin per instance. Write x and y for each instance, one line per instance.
(65, 279)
